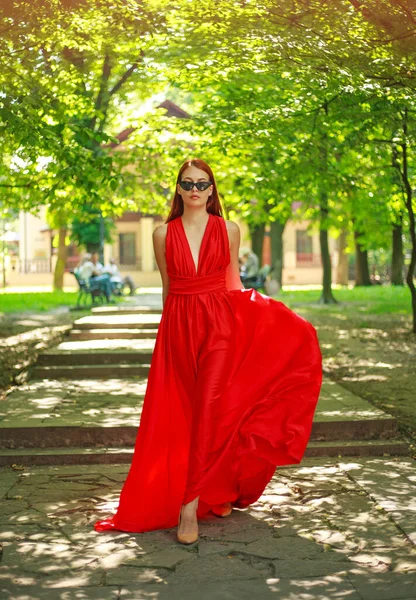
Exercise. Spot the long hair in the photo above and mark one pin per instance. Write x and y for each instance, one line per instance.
(213, 204)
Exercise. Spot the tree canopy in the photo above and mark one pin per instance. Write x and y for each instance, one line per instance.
(304, 101)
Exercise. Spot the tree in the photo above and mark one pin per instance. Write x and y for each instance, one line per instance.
(92, 230)
(66, 75)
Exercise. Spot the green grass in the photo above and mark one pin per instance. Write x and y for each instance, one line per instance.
(376, 299)
(373, 300)
(11, 302)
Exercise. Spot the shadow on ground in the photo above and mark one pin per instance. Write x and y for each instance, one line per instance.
(320, 530)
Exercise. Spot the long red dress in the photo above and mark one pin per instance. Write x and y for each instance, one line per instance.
(232, 389)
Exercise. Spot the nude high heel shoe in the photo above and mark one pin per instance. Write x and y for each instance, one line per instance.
(185, 538)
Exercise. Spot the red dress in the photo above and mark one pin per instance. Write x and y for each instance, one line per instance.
(232, 389)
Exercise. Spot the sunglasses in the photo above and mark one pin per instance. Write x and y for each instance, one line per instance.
(200, 185)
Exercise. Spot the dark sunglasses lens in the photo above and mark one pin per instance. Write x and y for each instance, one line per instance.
(203, 185)
(189, 185)
(186, 185)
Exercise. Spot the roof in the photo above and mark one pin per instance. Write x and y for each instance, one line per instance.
(172, 109)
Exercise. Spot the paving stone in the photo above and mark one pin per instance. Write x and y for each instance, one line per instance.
(391, 484)
(248, 535)
(240, 526)
(323, 588)
(214, 568)
(34, 479)
(160, 591)
(12, 506)
(369, 529)
(334, 539)
(51, 492)
(45, 593)
(44, 558)
(345, 503)
(11, 576)
(400, 564)
(124, 575)
(289, 569)
(114, 555)
(285, 531)
(205, 548)
(272, 547)
(8, 479)
(27, 516)
(13, 532)
(384, 586)
(167, 559)
(88, 537)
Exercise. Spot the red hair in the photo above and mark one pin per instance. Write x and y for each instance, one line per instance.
(213, 204)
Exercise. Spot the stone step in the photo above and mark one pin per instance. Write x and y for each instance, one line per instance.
(85, 455)
(67, 436)
(84, 434)
(66, 456)
(110, 346)
(110, 325)
(55, 358)
(125, 310)
(109, 371)
(397, 447)
(142, 321)
(351, 429)
(111, 334)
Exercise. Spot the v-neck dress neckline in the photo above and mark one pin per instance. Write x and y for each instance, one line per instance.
(201, 248)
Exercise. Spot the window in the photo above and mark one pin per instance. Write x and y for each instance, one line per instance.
(304, 252)
(127, 243)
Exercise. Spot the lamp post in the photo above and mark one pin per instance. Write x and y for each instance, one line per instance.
(101, 251)
(3, 252)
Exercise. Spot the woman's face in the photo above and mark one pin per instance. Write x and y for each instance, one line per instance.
(194, 198)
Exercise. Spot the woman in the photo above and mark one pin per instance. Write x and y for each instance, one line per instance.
(234, 380)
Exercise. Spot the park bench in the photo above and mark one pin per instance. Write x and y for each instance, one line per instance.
(88, 289)
(257, 282)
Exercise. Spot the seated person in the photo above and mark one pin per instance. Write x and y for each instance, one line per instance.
(95, 259)
(250, 265)
(115, 276)
(89, 269)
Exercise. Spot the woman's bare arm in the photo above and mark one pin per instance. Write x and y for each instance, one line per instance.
(232, 276)
(159, 238)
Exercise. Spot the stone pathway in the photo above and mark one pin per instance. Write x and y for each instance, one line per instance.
(322, 530)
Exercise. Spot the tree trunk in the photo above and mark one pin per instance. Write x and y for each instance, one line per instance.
(326, 295)
(257, 237)
(362, 271)
(342, 267)
(58, 276)
(276, 236)
(411, 215)
(397, 257)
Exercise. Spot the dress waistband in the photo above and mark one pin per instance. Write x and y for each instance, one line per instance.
(208, 284)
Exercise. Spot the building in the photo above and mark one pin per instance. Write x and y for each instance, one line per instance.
(132, 246)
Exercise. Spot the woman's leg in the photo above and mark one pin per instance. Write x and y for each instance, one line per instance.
(188, 521)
